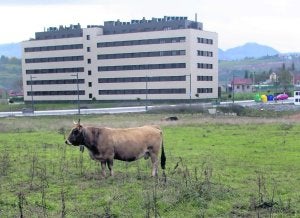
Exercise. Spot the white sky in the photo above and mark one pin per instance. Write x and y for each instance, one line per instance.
(275, 23)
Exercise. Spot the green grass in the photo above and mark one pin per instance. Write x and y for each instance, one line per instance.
(216, 167)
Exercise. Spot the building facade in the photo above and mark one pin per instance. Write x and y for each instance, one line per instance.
(161, 58)
(241, 85)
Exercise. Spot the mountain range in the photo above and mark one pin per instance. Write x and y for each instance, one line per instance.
(250, 50)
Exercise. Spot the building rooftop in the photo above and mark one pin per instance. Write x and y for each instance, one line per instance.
(155, 24)
(119, 27)
(241, 81)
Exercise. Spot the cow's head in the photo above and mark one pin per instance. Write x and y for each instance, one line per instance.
(76, 136)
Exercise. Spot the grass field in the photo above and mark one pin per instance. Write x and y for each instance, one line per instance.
(216, 167)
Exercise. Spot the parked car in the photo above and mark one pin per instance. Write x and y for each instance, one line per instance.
(281, 97)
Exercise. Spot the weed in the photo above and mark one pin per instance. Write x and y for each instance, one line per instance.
(5, 163)
(21, 200)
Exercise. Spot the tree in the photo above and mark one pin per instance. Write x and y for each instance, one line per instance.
(246, 74)
(284, 78)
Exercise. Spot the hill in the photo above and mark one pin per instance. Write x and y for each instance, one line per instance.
(258, 65)
(249, 50)
(10, 73)
(11, 50)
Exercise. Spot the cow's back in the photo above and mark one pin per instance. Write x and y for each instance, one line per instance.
(131, 143)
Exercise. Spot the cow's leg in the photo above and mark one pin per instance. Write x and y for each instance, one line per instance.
(154, 161)
(110, 164)
(103, 165)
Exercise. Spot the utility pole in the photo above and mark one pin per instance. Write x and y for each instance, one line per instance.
(146, 103)
(253, 81)
(190, 90)
(78, 101)
(31, 91)
(233, 87)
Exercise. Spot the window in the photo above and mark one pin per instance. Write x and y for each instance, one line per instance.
(142, 67)
(88, 49)
(205, 41)
(204, 66)
(142, 91)
(90, 84)
(88, 37)
(204, 78)
(89, 72)
(204, 90)
(142, 42)
(89, 61)
(90, 95)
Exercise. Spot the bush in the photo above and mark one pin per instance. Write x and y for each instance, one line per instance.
(178, 109)
(233, 108)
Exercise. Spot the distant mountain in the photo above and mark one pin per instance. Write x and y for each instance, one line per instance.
(11, 50)
(250, 50)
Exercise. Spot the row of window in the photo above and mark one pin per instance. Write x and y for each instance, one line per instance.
(205, 53)
(54, 59)
(119, 92)
(142, 91)
(47, 93)
(204, 66)
(204, 78)
(142, 67)
(205, 41)
(55, 70)
(118, 80)
(142, 54)
(55, 82)
(141, 42)
(142, 79)
(54, 48)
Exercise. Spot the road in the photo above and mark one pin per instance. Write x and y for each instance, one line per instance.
(114, 110)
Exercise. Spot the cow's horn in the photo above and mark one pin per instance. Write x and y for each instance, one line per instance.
(76, 123)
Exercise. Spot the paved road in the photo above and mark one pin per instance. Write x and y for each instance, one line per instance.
(112, 110)
(75, 111)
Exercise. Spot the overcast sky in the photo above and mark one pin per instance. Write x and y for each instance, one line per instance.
(269, 22)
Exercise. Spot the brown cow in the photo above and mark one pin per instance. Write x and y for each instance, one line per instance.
(106, 144)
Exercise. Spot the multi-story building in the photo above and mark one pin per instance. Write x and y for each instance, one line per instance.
(161, 58)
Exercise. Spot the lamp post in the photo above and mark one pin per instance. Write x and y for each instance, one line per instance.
(78, 101)
(31, 91)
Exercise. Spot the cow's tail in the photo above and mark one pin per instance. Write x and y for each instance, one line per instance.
(163, 157)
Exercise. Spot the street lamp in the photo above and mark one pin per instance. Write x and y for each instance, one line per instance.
(78, 101)
(31, 91)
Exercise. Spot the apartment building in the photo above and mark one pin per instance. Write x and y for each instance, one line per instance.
(160, 59)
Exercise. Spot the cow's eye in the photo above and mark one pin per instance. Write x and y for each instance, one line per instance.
(76, 131)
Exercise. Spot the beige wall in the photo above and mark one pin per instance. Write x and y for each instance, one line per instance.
(191, 59)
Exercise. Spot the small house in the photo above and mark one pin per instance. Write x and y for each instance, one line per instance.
(241, 85)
